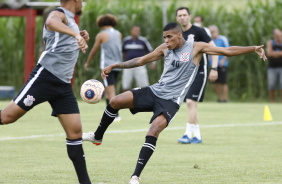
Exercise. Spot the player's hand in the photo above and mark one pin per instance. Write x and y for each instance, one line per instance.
(259, 50)
(86, 65)
(221, 63)
(213, 75)
(153, 65)
(85, 35)
(81, 43)
(106, 71)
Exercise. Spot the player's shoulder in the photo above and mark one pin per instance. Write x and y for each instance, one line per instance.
(127, 38)
(142, 38)
(198, 29)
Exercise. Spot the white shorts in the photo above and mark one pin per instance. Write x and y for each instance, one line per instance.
(139, 74)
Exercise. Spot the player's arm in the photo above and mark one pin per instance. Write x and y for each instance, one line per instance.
(98, 41)
(157, 54)
(270, 52)
(229, 51)
(57, 21)
(213, 76)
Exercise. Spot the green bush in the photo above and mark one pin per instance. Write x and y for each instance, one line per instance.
(249, 25)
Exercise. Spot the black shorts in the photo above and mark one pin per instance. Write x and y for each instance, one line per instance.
(198, 87)
(111, 79)
(222, 75)
(44, 86)
(146, 101)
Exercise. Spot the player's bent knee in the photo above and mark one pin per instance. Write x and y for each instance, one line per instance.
(191, 103)
(7, 119)
(115, 101)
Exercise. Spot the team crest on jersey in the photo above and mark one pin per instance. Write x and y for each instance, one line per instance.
(28, 101)
(185, 57)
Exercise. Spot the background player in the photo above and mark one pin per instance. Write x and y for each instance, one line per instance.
(135, 46)
(165, 97)
(50, 80)
(111, 52)
(221, 82)
(274, 71)
(197, 91)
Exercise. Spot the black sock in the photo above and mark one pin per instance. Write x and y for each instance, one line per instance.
(76, 154)
(108, 117)
(145, 154)
(0, 119)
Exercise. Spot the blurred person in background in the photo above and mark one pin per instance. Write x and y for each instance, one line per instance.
(197, 90)
(274, 71)
(111, 52)
(135, 46)
(221, 82)
(199, 21)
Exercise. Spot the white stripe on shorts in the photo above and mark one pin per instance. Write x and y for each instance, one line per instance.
(29, 84)
(205, 77)
(105, 82)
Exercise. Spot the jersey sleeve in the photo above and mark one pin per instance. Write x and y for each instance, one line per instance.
(204, 37)
(148, 46)
(123, 46)
(225, 41)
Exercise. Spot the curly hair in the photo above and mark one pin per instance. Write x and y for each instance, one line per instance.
(106, 20)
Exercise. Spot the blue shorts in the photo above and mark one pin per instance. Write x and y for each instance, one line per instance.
(274, 75)
(44, 86)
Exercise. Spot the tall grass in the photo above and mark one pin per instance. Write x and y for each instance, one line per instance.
(249, 25)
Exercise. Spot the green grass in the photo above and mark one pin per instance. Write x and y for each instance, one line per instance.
(239, 154)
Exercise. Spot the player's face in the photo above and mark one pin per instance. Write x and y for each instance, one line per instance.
(135, 31)
(278, 35)
(78, 7)
(214, 32)
(172, 39)
(182, 17)
(198, 21)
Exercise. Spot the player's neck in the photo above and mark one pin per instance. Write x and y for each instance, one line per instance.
(134, 37)
(106, 27)
(187, 27)
(278, 42)
(69, 6)
(182, 42)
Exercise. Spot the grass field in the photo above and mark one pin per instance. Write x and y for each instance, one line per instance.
(238, 147)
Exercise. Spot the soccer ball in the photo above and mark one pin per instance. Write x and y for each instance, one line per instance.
(92, 91)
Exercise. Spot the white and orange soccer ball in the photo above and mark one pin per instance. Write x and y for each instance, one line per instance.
(92, 91)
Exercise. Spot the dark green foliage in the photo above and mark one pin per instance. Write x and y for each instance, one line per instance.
(250, 25)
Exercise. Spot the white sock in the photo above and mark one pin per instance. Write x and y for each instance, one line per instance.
(189, 130)
(196, 131)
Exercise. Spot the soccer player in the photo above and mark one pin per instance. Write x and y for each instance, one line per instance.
(196, 92)
(111, 52)
(51, 77)
(135, 46)
(164, 98)
(221, 82)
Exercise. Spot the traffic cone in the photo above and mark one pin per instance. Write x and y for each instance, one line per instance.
(267, 114)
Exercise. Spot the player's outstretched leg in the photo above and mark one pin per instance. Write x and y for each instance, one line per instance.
(11, 113)
(122, 101)
(72, 126)
(148, 148)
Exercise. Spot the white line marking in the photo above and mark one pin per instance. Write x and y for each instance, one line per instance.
(145, 130)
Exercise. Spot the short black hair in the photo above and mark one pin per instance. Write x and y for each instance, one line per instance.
(202, 18)
(64, 1)
(172, 25)
(183, 8)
